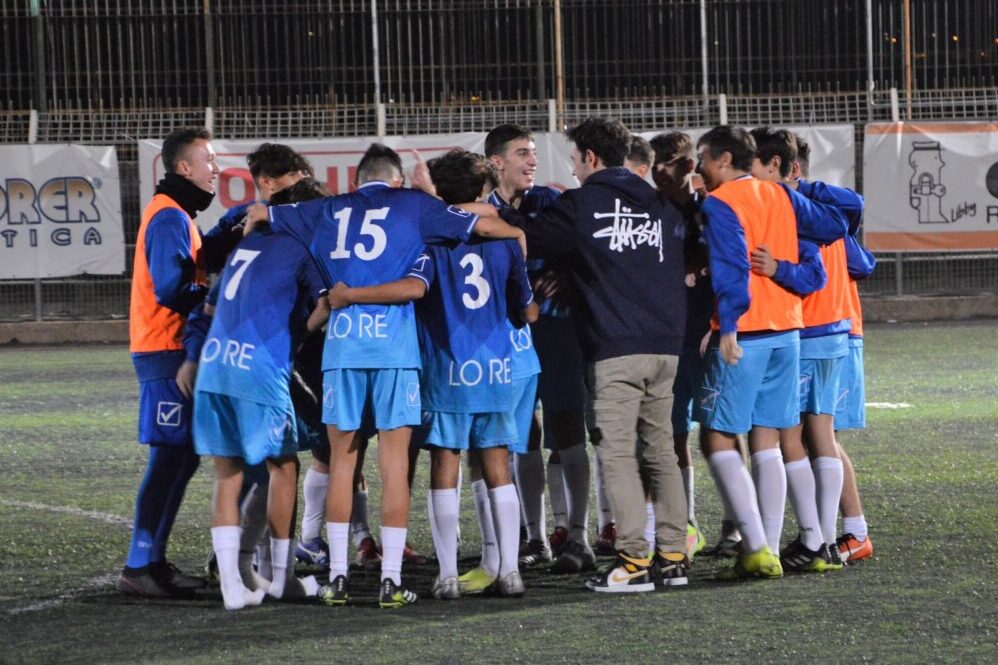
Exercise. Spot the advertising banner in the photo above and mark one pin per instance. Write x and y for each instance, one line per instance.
(931, 186)
(60, 211)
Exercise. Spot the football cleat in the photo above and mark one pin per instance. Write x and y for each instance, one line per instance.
(730, 544)
(393, 596)
(368, 556)
(606, 541)
(575, 557)
(695, 541)
(142, 583)
(510, 586)
(172, 576)
(535, 552)
(626, 575)
(411, 557)
(314, 552)
(446, 589)
(558, 539)
(797, 558)
(669, 569)
(336, 592)
(762, 563)
(851, 548)
(475, 580)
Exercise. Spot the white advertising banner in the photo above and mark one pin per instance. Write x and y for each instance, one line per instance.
(931, 186)
(335, 160)
(60, 211)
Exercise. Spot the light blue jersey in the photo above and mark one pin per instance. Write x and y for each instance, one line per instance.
(463, 331)
(264, 298)
(368, 237)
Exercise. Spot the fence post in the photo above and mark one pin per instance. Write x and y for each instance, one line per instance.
(552, 116)
(380, 119)
(209, 55)
(209, 118)
(898, 274)
(722, 109)
(32, 139)
(895, 107)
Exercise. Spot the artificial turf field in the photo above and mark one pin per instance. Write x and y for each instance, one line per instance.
(928, 475)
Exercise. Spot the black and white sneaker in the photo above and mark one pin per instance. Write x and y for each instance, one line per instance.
(670, 569)
(626, 575)
(575, 557)
(797, 558)
(533, 553)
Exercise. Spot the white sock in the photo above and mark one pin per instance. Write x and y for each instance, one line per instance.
(687, 473)
(392, 545)
(771, 489)
(338, 536)
(253, 520)
(575, 470)
(605, 515)
(650, 526)
(443, 520)
(557, 495)
(264, 559)
(314, 513)
(856, 526)
(279, 551)
(486, 527)
(225, 543)
(730, 474)
(800, 482)
(828, 478)
(358, 518)
(530, 483)
(506, 516)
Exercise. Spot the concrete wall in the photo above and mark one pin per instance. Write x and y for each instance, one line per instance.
(913, 308)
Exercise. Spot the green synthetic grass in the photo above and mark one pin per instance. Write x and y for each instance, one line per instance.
(927, 475)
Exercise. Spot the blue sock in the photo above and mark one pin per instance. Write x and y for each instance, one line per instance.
(166, 465)
(186, 462)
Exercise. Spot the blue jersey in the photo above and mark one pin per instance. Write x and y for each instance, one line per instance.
(368, 237)
(265, 294)
(463, 330)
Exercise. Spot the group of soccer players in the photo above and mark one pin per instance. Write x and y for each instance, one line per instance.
(479, 312)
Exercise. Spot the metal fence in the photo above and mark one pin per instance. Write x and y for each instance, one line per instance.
(98, 297)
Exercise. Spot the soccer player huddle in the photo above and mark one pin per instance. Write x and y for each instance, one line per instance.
(440, 317)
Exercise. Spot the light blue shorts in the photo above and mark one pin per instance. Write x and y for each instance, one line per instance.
(524, 404)
(850, 409)
(227, 426)
(164, 414)
(821, 362)
(689, 377)
(761, 390)
(390, 396)
(461, 431)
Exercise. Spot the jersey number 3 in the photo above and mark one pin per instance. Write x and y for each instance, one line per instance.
(475, 281)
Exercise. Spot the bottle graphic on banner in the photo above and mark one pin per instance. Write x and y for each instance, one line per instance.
(926, 182)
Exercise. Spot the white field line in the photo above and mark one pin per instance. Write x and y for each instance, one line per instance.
(889, 405)
(95, 584)
(68, 510)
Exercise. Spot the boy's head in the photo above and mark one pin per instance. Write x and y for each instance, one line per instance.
(511, 150)
(188, 153)
(724, 153)
(775, 152)
(599, 143)
(639, 156)
(275, 166)
(460, 176)
(802, 165)
(380, 163)
(305, 189)
(675, 162)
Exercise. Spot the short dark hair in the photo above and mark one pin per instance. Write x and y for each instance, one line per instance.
(639, 150)
(459, 175)
(607, 138)
(771, 143)
(733, 140)
(379, 163)
(672, 145)
(803, 156)
(275, 160)
(497, 140)
(176, 144)
(305, 189)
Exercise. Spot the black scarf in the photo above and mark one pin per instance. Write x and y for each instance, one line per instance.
(188, 196)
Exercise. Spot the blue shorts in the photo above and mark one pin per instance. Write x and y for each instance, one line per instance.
(821, 361)
(850, 409)
(761, 390)
(689, 377)
(524, 404)
(164, 414)
(226, 426)
(389, 396)
(461, 431)
(561, 386)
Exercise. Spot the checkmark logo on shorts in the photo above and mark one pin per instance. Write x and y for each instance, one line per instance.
(412, 394)
(623, 578)
(168, 414)
(278, 426)
(327, 397)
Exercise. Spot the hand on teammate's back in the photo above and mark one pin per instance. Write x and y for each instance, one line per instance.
(338, 296)
(729, 348)
(185, 377)
(256, 215)
(763, 262)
